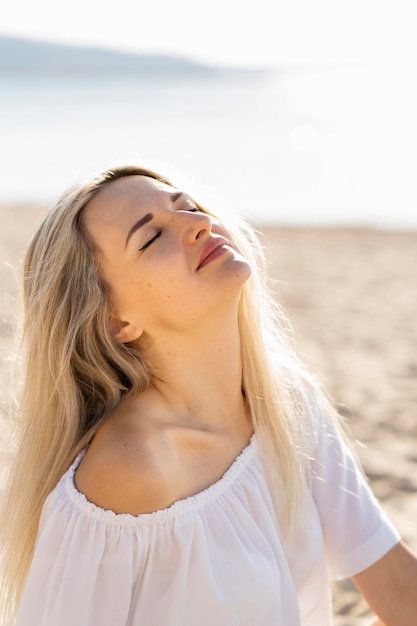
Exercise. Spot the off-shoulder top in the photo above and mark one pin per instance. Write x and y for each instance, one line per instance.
(218, 558)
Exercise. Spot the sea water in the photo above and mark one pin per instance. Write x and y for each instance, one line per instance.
(291, 146)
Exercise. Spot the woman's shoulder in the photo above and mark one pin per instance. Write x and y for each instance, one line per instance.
(128, 472)
(137, 470)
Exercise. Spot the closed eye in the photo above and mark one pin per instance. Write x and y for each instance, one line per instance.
(188, 204)
(193, 208)
(151, 241)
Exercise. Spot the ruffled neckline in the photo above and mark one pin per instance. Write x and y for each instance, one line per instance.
(179, 507)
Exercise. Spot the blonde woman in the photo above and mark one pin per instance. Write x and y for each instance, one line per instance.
(175, 464)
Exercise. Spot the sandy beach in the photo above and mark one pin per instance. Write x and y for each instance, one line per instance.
(352, 298)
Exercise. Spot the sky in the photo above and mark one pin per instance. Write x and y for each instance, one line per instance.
(360, 133)
(228, 32)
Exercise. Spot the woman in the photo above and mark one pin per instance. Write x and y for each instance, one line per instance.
(154, 353)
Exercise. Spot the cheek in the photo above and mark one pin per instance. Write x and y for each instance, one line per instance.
(164, 289)
(127, 290)
(154, 294)
(159, 283)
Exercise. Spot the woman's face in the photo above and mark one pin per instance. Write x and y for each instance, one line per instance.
(168, 265)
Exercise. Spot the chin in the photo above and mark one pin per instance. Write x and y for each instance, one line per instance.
(239, 271)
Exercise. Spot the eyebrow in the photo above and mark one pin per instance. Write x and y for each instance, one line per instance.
(176, 195)
(143, 220)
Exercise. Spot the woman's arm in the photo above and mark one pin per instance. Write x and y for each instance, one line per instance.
(390, 587)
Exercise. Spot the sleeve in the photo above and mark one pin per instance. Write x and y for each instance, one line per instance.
(83, 571)
(356, 530)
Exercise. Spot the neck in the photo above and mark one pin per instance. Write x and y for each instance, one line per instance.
(198, 377)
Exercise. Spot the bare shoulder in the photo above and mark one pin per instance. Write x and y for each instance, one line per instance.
(127, 473)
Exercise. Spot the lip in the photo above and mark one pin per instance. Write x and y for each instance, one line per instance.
(211, 251)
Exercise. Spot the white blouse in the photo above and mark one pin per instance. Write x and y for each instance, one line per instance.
(214, 559)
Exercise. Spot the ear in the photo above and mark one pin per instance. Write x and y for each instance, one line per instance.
(124, 332)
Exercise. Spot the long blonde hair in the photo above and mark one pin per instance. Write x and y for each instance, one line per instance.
(76, 374)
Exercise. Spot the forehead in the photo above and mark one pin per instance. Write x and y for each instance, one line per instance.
(124, 197)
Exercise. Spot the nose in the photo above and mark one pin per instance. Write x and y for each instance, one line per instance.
(198, 224)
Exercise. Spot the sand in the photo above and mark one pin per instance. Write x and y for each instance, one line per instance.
(352, 298)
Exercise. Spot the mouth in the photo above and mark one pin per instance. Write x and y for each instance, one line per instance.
(212, 250)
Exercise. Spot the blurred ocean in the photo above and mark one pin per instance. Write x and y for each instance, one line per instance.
(295, 146)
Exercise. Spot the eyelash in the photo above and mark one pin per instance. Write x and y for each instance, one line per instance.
(150, 242)
(159, 233)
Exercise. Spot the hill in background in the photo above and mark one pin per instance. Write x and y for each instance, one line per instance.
(20, 55)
